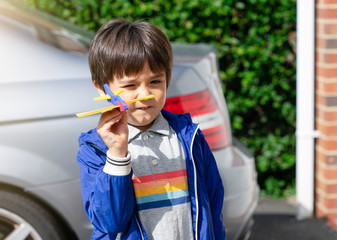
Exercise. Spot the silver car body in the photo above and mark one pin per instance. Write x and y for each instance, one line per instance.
(45, 80)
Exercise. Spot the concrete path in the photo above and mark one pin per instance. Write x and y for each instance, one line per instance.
(276, 220)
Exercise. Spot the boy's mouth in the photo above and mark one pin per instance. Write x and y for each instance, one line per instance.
(143, 108)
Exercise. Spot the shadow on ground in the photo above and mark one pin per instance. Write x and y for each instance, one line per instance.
(276, 220)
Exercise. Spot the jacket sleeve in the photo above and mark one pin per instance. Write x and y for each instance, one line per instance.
(214, 187)
(108, 200)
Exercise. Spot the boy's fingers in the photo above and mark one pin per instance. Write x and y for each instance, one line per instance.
(109, 119)
(110, 116)
(124, 117)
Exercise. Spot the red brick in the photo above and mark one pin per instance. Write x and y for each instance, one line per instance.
(321, 100)
(320, 157)
(329, 58)
(320, 113)
(330, 202)
(326, 188)
(320, 42)
(331, 189)
(327, 130)
(318, 84)
(319, 170)
(320, 28)
(326, 72)
(330, 87)
(326, 13)
(320, 213)
(329, 116)
(330, 160)
(329, 28)
(327, 173)
(319, 186)
(328, 1)
(319, 57)
(323, 213)
(329, 145)
(317, 196)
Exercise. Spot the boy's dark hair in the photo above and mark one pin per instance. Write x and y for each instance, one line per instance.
(121, 48)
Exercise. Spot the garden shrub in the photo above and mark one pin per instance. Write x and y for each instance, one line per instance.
(256, 49)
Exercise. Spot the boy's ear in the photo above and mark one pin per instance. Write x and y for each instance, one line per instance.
(98, 88)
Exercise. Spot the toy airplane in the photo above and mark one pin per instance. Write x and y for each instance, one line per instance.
(117, 102)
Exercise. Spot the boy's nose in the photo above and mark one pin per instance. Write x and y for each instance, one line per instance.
(144, 91)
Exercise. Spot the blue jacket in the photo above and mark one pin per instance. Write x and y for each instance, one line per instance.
(109, 201)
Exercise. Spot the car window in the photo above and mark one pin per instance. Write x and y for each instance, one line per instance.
(49, 30)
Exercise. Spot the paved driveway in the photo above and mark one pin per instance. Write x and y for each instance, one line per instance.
(275, 220)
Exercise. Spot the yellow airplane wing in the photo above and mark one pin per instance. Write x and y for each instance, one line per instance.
(84, 114)
(106, 97)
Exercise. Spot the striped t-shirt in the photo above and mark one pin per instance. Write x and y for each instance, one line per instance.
(160, 182)
(161, 189)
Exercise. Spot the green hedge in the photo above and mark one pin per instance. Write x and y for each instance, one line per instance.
(255, 41)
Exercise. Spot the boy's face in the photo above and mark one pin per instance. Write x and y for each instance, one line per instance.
(141, 114)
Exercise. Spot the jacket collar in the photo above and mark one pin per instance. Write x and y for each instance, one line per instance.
(181, 123)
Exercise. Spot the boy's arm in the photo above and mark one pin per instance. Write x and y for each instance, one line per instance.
(107, 188)
(108, 200)
(214, 187)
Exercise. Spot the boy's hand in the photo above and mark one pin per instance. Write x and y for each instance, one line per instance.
(113, 129)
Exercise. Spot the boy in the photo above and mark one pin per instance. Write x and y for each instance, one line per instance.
(145, 173)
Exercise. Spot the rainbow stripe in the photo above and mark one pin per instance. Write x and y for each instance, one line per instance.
(161, 189)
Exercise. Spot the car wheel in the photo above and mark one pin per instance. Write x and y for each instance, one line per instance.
(22, 218)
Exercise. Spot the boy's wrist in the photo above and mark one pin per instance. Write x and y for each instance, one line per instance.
(117, 153)
(118, 166)
(113, 157)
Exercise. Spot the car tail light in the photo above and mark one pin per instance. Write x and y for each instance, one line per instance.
(203, 110)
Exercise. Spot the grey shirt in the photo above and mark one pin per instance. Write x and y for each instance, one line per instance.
(160, 181)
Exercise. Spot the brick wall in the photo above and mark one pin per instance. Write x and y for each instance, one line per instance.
(326, 111)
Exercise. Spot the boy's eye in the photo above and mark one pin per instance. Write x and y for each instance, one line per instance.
(156, 81)
(129, 86)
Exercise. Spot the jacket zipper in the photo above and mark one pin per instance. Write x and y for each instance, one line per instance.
(140, 229)
(195, 185)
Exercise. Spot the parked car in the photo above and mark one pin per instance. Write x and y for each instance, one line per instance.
(44, 81)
